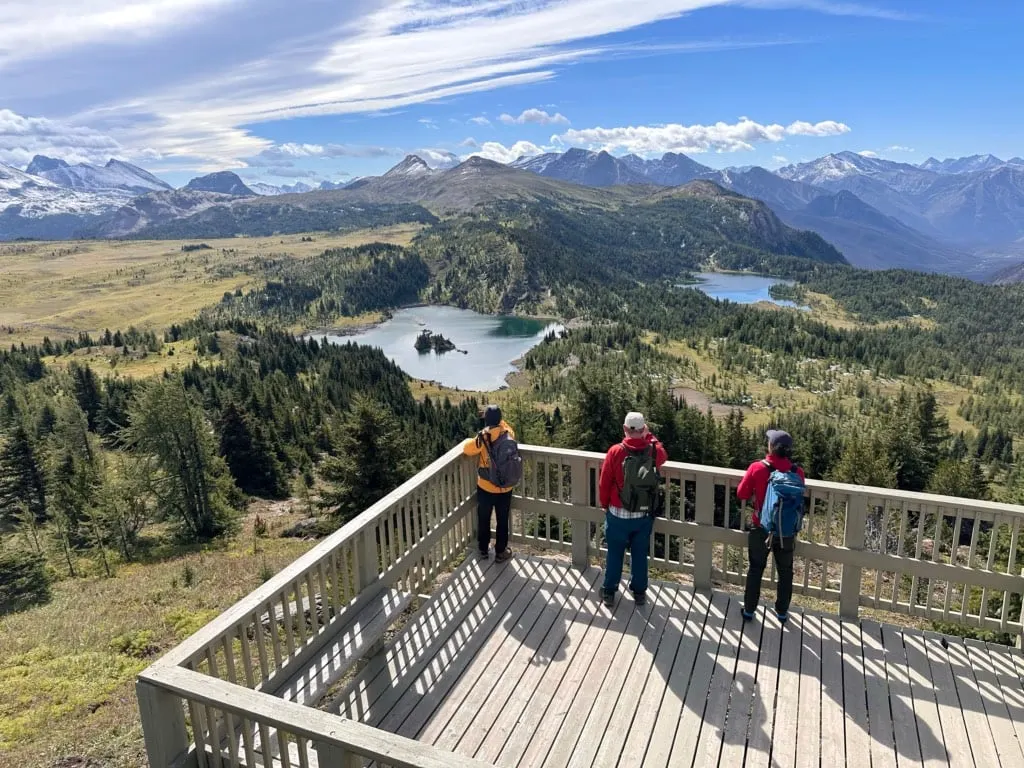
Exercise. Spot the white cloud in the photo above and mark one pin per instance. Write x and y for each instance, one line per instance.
(497, 151)
(537, 116)
(867, 153)
(479, 120)
(470, 142)
(23, 137)
(284, 155)
(899, 148)
(428, 122)
(33, 29)
(780, 159)
(438, 158)
(265, 63)
(720, 137)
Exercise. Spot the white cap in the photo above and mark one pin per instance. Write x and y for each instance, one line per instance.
(634, 422)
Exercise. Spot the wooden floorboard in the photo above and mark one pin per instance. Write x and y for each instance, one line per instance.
(520, 665)
(876, 684)
(808, 741)
(954, 730)
(1007, 745)
(934, 753)
(833, 719)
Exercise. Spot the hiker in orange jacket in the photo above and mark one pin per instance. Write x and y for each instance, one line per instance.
(489, 497)
(624, 527)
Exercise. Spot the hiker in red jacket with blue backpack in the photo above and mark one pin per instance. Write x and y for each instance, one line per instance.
(776, 486)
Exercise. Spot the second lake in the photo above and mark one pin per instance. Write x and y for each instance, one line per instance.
(741, 289)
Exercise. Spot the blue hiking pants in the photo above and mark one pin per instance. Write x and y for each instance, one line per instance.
(620, 533)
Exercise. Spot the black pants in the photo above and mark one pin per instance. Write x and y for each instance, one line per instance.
(500, 504)
(758, 550)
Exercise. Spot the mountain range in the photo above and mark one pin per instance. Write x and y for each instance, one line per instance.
(958, 215)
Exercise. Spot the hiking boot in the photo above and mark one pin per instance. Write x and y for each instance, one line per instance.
(608, 597)
(501, 557)
(640, 598)
(747, 615)
(782, 617)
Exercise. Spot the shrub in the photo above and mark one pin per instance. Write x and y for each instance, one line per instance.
(24, 581)
(188, 574)
(138, 644)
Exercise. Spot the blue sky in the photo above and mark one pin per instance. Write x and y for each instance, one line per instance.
(287, 90)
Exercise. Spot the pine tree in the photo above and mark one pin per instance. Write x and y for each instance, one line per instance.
(371, 458)
(22, 479)
(191, 482)
(865, 461)
(249, 455)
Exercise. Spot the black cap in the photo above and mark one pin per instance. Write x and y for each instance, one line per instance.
(492, 416)
(778, 438)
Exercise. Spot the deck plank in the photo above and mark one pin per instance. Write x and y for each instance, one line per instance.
(855, 705)
(1007, 744)
(739, 721)
(417, 644)
(1010, 685)
(431, 689)
(978, 732)
(713, 727)
(684, 745)
(670, 714)
(833, 718)
(623, 716)
(808, 735)
(458, 710)
(597, 648)
(763, 707)
(901, 701)
(954, 730)
(497, 715)
(643, 626)
(785, 728)
(655, 688)
(876, 683)
(934, 753)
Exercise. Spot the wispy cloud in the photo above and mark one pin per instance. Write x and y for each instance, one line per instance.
(285, 155)
(720, 137)
(479, 120)
(469, 142)
(868, 153)
(535, 116)
(355, 57)
(428, 122)
(899, 148)
(497, 151)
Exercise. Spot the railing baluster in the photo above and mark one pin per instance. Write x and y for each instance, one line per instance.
(229, 665)
(883, 549)
(897, 578)
(314, 615)
(327, 604)
(282, 749)
(287, 621)
(975, 528)
(992, 545)
(212, 722)
(1011, 566)
(300, 612)
(303, 756)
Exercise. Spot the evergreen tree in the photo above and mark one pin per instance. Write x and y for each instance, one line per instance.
(22, 478)
(250, 456)
(865, 461)
(191, 482)
(371, 457)
(963, 479)
(87, 391)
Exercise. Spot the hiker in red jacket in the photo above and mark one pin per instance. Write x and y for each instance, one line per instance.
(628, 493)
(754, 485)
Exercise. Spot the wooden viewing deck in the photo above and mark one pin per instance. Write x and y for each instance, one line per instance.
(518, 664)
(435, 661)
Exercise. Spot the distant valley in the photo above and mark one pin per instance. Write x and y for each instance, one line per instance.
(962, 216)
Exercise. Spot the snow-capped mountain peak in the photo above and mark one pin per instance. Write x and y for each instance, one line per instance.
(963, 164)
(412, 165)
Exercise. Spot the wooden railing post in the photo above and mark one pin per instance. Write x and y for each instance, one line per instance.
(849, 590)
(704, 514)
(331, 756)
(163, 725)
(369, 563)
(579, 495)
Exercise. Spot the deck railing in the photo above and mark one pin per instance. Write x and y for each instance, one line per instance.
(216, 698)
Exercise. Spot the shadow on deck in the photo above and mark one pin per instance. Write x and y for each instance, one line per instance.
(518, 664)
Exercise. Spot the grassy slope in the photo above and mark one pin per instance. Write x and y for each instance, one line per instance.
(67, 679)
(60, 289)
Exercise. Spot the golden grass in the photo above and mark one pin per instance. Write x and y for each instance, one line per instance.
(60, 289)
(67, 668)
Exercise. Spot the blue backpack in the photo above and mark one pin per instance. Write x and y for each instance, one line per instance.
(782, 514)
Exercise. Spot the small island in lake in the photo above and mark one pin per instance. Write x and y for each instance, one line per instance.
(428, 341)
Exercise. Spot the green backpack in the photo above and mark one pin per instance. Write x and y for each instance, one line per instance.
(641, 485)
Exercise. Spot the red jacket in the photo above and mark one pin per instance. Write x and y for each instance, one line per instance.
(612, 475)
(755, 483)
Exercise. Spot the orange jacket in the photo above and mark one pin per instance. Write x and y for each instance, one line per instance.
(475, 447)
